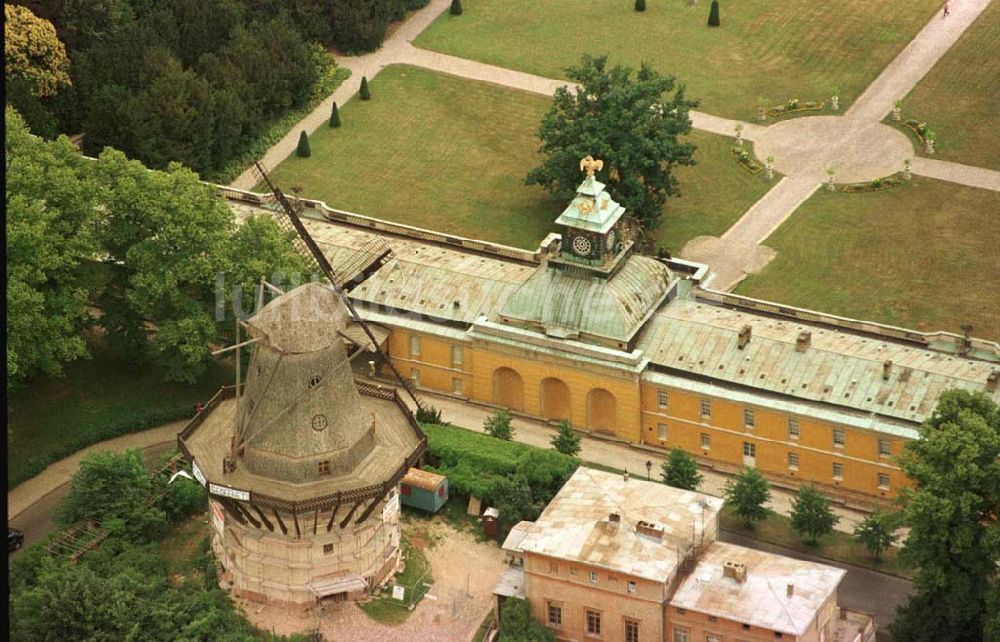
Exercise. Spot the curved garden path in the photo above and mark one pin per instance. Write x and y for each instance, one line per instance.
(855, 145)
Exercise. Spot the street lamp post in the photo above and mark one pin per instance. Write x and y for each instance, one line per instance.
(649, 469)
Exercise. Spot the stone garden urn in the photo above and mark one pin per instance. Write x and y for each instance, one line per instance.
(929, 145)
(896, 110)
(906, 169)
(739, 134)
(769, 168)
(835, 103)
(761, 114)
(829, 181)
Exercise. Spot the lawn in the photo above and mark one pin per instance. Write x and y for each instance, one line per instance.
(450, 154)
(97, 399)
(774, 50)
(416, 573)
(922, 256)
(958, 99)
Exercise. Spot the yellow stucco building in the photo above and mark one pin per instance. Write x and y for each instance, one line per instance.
(635, 348)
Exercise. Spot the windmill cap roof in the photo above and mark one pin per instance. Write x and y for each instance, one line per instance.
(307, 319)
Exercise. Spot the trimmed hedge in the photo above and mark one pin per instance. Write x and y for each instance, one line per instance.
(88, 435)
(476, 463)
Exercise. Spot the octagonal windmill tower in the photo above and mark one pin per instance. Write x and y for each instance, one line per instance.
(302, 462)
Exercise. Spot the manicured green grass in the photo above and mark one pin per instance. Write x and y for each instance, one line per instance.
(449, 154)
(97, 399)
(775, 50)
(386, 610)
(923, 256)
(842, 547)
(960, 96)
(434, 151)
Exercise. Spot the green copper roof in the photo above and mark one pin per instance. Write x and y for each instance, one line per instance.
(592, 209)
(568, 303)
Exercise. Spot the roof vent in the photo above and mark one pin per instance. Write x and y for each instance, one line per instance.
(745, 332)
(614, 518)
(886, 369)
(625, 477)
(456, 304)
(803, 341)
(790, 590)
(993, 381)
(735, 570)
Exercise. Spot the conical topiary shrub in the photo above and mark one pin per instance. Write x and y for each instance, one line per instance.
(456, 7)
(640, 5)
(713, 14)
(364, 94)
(334, 115)
(303, 151)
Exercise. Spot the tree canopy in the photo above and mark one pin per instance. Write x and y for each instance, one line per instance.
(952, 511)
(33, 53)
(747, 495)
(631, 121)
(566, 440)
(811, 515)
(681, 471)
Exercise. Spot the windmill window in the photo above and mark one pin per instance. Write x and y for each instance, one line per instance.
(324, 467)
(314, 381)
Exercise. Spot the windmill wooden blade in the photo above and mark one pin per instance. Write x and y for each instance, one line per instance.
(343, 274)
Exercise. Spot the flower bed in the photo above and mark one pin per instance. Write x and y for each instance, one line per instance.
(744, 156)
(877, 185)
(918, 128)
(794, 105)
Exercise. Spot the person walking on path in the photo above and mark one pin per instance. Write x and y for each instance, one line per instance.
(946, 11)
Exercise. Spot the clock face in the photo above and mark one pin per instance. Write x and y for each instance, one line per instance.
(611, 238)
(581, 245)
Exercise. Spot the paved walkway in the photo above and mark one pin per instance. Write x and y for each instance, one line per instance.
(856, 146)
(34, 490)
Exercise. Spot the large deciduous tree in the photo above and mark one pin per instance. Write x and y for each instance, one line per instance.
(680, 470)
(33, 53)
(50, 222)
(634, 122)
(747, 495)
(811, 515)
(953, 511)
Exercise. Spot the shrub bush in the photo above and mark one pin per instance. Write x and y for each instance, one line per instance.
(334, 115)
(713, 14)
(303, 151)
(640, 5)
(456, 7)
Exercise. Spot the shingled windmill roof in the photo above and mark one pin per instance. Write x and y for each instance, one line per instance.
(301, 419)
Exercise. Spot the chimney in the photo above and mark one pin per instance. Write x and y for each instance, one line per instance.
(625, 478)
(886, 369)
(649, 529)
(993, 381)
(805, 338)
(790, 590)
(735, 570)
(744, 339)
(614, 518)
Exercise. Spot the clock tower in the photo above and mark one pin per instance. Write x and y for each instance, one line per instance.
(591, 225)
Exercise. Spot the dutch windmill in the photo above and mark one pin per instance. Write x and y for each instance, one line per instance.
(345, 273)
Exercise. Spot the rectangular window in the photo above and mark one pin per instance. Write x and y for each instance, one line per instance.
(706, 440)
(884, 448)
(553, 568)
(748, 419)
(706, 409)
(324, 467)
(414, 346)
(456, 386)
(593, 577)
(838, 438)
(327, 549)
(681, 635)
(793, 428)
(749, 450)
(415, 376)
(661, 398)
(883, 481)
(793, 461)
(456, 356)
(631, 631)
(712, 637)
(593, 623)
(631, 587)
(838, 471)
(712, 618)
(662, 428)
(555, 614)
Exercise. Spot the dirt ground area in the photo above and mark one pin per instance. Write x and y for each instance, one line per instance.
(464, 569)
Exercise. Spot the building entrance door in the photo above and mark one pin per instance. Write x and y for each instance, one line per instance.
(749, 454)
